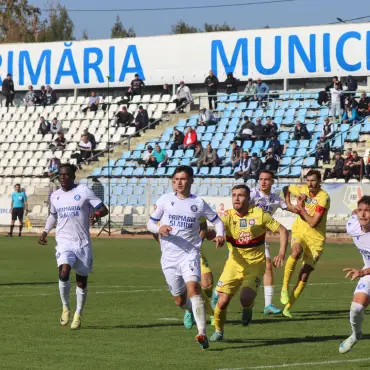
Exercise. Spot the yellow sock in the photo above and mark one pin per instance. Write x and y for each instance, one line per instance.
(288, 272)
(295, 294)
(207, 303)
(220, 319)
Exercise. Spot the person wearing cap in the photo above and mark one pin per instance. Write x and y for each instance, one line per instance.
(246, 130)
(300, 131)
(327, 129)
(7, 89)
(123, 118)
(211, 82)
(183, 95)
(271, 161)
(142, 119)
(244, 166)
(206, 117)
(262, 90)
(234, 159)
(178, 139)
(249, 91)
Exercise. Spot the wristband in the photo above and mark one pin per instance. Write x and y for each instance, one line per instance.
(97, 214)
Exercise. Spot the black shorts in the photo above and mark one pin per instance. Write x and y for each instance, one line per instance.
(17, 213)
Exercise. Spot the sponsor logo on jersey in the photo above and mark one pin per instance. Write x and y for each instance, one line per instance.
(243, 223)
(361, 286)
(77, 197)
(20, 197)
(172, 203)
(314, 201)
(194, 208)
(219, 283)
(252, 222)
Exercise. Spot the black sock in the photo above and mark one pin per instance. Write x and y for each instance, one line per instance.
(20, 229)
(11, 229)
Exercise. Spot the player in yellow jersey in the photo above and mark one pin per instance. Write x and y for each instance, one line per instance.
(246, 228)
(308, 234)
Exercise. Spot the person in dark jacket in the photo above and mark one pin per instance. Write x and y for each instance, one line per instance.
(123, 118)
(44, 127)
(337, 170)
(211, 82)
(258, 131)
(51, 95)
(363, 109)
(300, 132)
(91, 138)
(271, 161)
(7, 90)
(178, 139)
(42, 98)
(165, 90)
(270, 127)
(246, 131)
(276, 146)
(322, 151)
(137, 85)
(231, 84)
(335, 82)
(142, 119)
(323, 98)
(351, 85)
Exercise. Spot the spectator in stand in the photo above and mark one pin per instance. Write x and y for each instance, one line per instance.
(334, 82)
(44, 127)
(178, 139)
(60, 142)
(165, 90)
(198, 154)
(123, 118)
(300, 131)
(30, 97)
(323, 98)
(337, 170)
(7, 90)
(236, 153)
(183, 95)
(367, 167)
(210, 158)
(259, 131)
(276, 146)
(53, 167)
(271, 161)
(322, 151)
(160, 156)
(231, 84)
(249, 91)
(351, 101)
(244, 166)
(348, 157)
(41, 99)
(51, 95)
(356, 166)
(190, 139)
(55, 126)
(350, 116)
(328, 129)
(85, 148)
(254, 168)
(147, 159)
(351, 85)
(262, 90)
(336, 99)
(91, 138)
(206, 117)
(142, 119)
(136, 88)
(270, 128)
(93, 103)
(246, 131)
(211, 82)
(363, 109)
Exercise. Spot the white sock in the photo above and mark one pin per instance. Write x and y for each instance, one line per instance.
(81, 299)
(269, 293)
(64, 287)
(187, 305)
(199, 313)
(356, 318)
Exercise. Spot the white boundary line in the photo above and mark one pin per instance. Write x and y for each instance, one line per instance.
(300, 364)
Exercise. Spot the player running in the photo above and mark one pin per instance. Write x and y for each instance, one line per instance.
(246, 227)
(308, 234)
(269, 202)
(72, 207)
(358, 227)
(179, 215)
(18, 208)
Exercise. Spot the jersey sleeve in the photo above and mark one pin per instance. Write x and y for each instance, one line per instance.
(295, 189)
(94, 201)
(53, 210)
(226, 220)
(322, 205)
(270, 222)
(158, 209)
(353, 227)
(209, 213)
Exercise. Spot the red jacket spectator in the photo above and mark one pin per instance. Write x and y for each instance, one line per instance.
(190, 139)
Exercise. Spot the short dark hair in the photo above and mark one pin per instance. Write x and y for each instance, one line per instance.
(314, 173)
(268, 172)
(187, 169)
(17, 185)
(242, 186)
(9, 74)
(70, 167)
(364, 200)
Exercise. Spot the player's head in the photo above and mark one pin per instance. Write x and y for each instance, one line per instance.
(67, 175)
(240, 197)
(182, 179)
(266, 180)
(363, 211)
(17, 187)
(313, 180)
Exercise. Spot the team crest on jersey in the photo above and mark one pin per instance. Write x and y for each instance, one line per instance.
(77, 197)
(243, 222)
(194, 208)
(314, 201)
(308, 200)
(172, 203)
(252, 222)
(361, 286)
(219, 283)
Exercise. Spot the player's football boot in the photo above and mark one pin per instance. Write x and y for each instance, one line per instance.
(64, 318)
(217, 336)
(76, 323)
(188, 319)
(202, 340)
(212, 318)
(284, 297)
(287, 313)
(247, 315)
(347, 345)
(214, 299)
(271, 310)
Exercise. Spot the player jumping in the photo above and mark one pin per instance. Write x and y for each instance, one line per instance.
(246, 227)
(72, 208)
(308, 234)
(180, 214)
(358, 227)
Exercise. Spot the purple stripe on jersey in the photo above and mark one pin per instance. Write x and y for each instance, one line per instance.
(216, 217)
(154, 219)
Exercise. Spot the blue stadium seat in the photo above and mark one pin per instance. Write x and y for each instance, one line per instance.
(96, 172)
(122, 200)
(289, 120)
(106, 171)
(301, 152)
(231, 106)
(309, 162)
(235, 121)
(230, 136)
(160, 171)
(225, 144)
(289, 152)
(204, 171)
(248, 144)
(248, 113)
(302, 112)
(324, 112)
(258, 144)
(310, 127)
(215, 171)
(313, 144)
(181, 123)
(218, 136)
(189, 153)
(140, 146)
(200, 129)
(139, 190)
(279, 112)
(344, 127)
(290, 113)
(283, 172)
(294, 104)
(149, 171)
(233, 97)
(226, 171)
(223, 121)
(133, 200)
(253, 105)
(269, 113)
(118, 171)
(185, 162)
(319, 127)
(113, 200)
(278, 120)
(304, 143)
(242, 105)
(178, 153)
(215, 144)
(298, 161)
(221, 107)
(232, 128)
(126, 155)
(192, 122)
(366, 128)
(353, 136)
(174, 162)
(122, 181)
(210, 129)
(170, 171)
(207, 137)
(128, 171)
(284, 105)
(227, 113)
(285, 161)
(237, 113)
(295, 172)
(292, 144)
(195, 170)
(306, 104)
(258, 113)
(128, 190)
(316, 135)
(222, 127)
(170, 153)
(204, 143)
(136, 154)
(221, 153)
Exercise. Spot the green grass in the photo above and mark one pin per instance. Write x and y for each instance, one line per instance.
(130, 321)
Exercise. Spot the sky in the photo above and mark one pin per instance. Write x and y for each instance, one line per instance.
(296, 13)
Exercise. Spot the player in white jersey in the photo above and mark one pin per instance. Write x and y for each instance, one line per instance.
(72, 208)
(358, 227)
(269, 202)
(179, 214)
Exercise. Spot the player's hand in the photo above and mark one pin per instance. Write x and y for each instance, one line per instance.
(165, 230)
(279, 260)
(93, 219)
(219, 240)
(42, 240)
(353, 273)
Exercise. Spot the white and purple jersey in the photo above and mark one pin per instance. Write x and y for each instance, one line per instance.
(268, 203)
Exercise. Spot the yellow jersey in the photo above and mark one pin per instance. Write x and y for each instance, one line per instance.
(248, 231)
(320, 203)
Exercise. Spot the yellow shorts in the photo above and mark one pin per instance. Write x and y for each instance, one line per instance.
(204, 266)
(244, 267)
(312, 248)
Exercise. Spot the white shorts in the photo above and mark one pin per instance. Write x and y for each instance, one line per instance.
(363, 285)
(179, 272)
(80, 259)
(267, 251)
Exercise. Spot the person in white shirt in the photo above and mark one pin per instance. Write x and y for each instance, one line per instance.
(336, 101)
(358, 227)
(183, 95)
(206, 117)
(72, 208)
(244, 166)
(179, 214)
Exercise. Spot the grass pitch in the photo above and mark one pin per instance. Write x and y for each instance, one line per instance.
(130, 321)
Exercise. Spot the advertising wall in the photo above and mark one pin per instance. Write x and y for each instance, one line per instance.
(299, 52)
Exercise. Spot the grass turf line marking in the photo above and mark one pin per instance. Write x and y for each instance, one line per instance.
(300, 364)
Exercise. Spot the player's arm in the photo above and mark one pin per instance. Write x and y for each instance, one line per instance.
(213, 217)
(100, 211)
(203, 229)
(285, 207)
(314, 220)
(50, 223)
(152, 225)
(355, 273)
